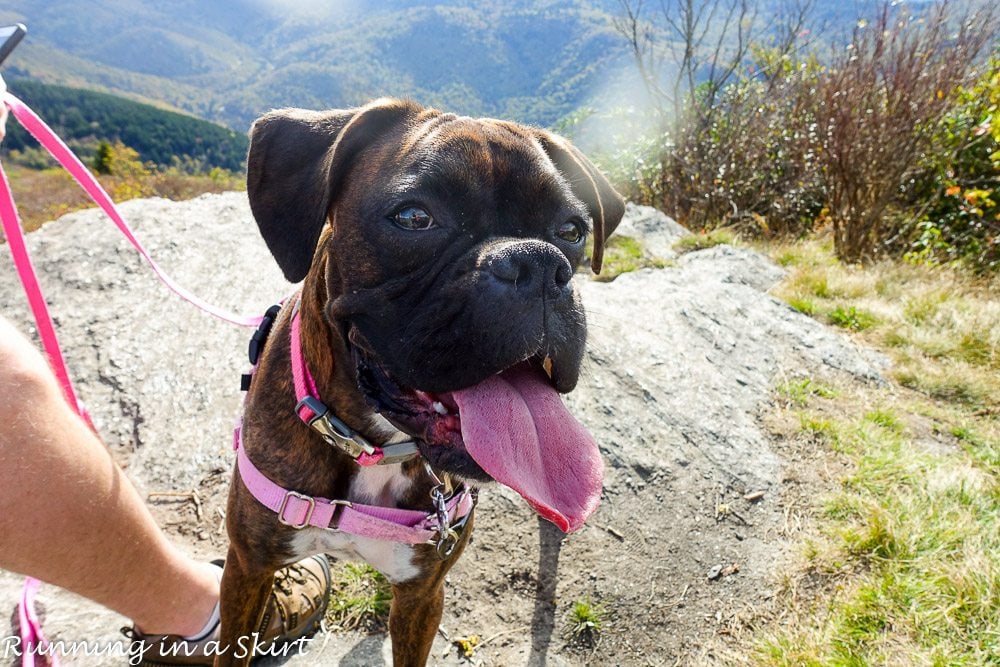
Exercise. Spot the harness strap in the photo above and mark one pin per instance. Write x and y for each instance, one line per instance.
(299, 510)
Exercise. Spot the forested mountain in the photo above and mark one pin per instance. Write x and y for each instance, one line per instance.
(159, 136)
(231, 60)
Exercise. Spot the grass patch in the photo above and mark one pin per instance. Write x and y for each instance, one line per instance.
(884, 418)
(360, 597)
(940, 326)
(586, 620)
(806, 306)
(851, 318)
(907, 548)
(703, 240)
(798, 392)
(901, 553)
(624, 254)
(983, 448)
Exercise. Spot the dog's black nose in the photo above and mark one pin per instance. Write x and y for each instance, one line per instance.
(531, 267)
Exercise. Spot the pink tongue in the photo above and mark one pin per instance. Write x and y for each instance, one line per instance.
(517, 429)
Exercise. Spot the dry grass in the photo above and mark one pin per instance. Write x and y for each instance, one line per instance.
(43, 195)
(899, 538)
(941, 326)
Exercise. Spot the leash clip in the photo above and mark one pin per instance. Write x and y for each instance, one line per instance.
(448, 535)
(334, 431)
(447, 542)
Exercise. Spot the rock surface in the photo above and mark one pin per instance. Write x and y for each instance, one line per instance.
(680, 366)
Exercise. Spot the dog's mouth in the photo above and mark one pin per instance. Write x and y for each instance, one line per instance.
(511, 427)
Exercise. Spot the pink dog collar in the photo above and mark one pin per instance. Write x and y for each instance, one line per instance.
(299, 510)
(316, 415)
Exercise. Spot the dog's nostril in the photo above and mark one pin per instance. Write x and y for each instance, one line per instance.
(507, 268)
(564, 273)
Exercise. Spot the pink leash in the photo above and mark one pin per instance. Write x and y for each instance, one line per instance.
(32, 638)
(45, 136)
(22, 263)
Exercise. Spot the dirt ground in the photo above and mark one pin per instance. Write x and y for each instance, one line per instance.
(682, 361)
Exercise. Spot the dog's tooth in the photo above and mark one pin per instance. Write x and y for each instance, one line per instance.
(547, 366)
(439, 408)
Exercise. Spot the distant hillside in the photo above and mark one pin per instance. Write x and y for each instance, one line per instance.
(229, 61)
(533, 61)
(87, 117)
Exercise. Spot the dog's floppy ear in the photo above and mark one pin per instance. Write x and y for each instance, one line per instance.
(605, 205)
(296, 163)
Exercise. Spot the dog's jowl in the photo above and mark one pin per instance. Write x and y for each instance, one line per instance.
(424, 354)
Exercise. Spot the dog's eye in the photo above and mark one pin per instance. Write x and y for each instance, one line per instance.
(413, 218)
(570, 231)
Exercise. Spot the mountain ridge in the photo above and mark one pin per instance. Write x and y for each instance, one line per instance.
(533, 62)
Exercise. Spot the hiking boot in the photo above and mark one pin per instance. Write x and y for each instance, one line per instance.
(294, 610)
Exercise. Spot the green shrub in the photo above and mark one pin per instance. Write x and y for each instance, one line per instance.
(956, 196)
(851, 318)
(891, 143)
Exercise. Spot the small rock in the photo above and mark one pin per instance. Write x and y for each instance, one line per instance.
(715, 572)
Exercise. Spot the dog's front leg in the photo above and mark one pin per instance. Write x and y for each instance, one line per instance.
(243, 596)
(413, 620)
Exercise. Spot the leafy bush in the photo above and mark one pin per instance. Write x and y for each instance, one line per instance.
(889, 142)
(749, 162)
(956, 197)
(878, 106)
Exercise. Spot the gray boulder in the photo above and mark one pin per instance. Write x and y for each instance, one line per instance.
(680, 366)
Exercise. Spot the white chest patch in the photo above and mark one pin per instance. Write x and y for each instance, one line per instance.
(377, 485)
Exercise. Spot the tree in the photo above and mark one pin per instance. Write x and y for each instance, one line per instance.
(689, 50)
(103, 158)
(730, 108)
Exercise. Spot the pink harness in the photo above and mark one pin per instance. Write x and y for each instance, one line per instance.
(300, 510)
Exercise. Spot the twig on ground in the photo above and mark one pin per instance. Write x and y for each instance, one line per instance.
(181, 495)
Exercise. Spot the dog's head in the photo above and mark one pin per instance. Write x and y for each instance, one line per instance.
(448, 245)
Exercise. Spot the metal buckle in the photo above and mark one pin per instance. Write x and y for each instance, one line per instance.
(334, 431)
(398, 452)
(284, 504)
(338, 509)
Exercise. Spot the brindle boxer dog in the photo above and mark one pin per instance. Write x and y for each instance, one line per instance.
(437, 254)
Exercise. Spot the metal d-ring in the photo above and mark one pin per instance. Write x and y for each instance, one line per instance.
(446, 544)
